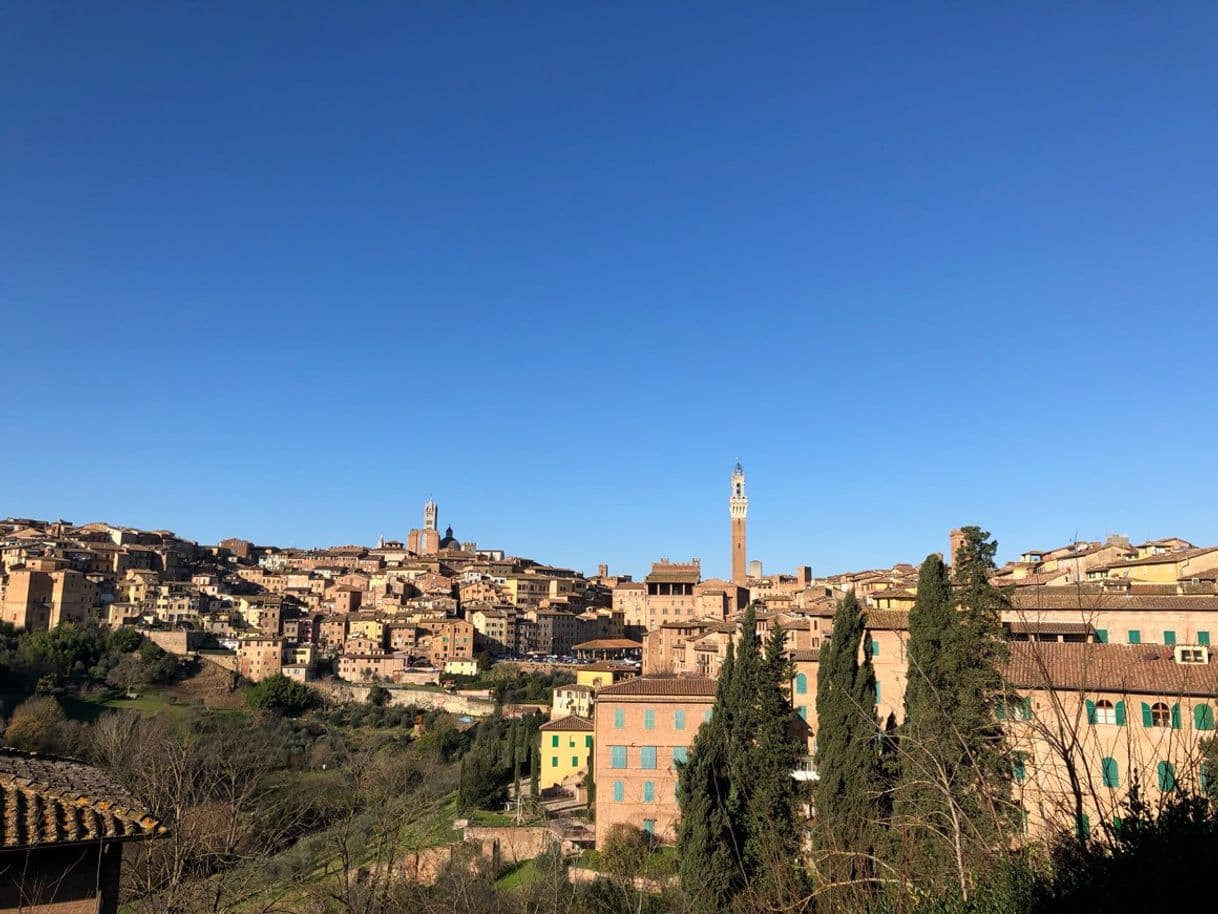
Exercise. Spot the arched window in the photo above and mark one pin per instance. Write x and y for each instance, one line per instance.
(1111, 772)
(801, 684)
(1160, 715)
(1105, 712)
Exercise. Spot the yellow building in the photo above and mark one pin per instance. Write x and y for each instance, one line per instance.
(607, 672)
(566, 750)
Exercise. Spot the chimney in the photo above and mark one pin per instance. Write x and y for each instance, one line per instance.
(955, 540)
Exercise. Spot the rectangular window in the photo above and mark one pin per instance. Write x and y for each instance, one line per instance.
(680, 754)
(647, 757)
(1019, 766)
(1203, 638)
(553, 761)
(1135, 636)
(803, 711)
(619, 791)
(649, 826)
(554, 741)
(1101, 635)
(877, 692)
(707, 716)
(875, 648)
(678, 720)
(617, 756)
(619, 719)
(649, 792)
(575, 761)
(588, 741)
(649, 719)
(1112, 776)
(1169, 637)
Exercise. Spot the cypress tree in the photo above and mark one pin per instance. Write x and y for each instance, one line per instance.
(706, 842)
(953, 794)
(847, 792)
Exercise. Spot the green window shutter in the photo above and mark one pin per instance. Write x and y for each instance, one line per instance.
(1090, 711)
(1112, 774)
(801, 684)
(877, 691)
(678, 720)
(619, 718)
(1120, 713)
(554, 741)
(680, 754)
(1082, 826)
(1101, 635)
(1135, 636)
(1203, 638)
(1000, 709)
(1203, 717)
(619, 791)
(1167, 776)
(802, 710)
(575, 761)
(1019, 766)
(1175, 717)
(649, 791)
(1169, 637)
(1147, 720)
(1203, 778)
(1025, 708)
(647, 757)
(588, 741)
(649, 719)
(875, 648)
(553, 761)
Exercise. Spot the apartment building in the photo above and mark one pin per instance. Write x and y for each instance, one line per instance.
(566, 750)
(643, 729)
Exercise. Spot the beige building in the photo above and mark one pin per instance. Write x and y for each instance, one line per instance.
(42, 599)
(644, 728)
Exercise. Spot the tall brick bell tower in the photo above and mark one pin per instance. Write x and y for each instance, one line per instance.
(738, 505)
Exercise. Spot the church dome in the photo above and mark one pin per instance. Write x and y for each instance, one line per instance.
(449, 541)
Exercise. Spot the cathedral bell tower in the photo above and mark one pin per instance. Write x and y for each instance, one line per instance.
(738, 507)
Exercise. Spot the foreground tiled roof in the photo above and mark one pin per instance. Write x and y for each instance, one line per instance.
(570, 722)
(1146, 669)
(676, 686)
(47, 800)
(886, 620)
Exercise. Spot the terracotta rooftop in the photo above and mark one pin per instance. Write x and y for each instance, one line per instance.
(890, 620)
(570, 722)
(609, 644)
(674, 686)
(50, 800)
(1050, 628)
(1045, 598)
(1146, 669)
(1165, 558)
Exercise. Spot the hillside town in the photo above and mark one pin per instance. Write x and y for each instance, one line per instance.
(1113, 636)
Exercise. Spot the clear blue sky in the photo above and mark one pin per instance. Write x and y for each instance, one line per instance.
(285, 270)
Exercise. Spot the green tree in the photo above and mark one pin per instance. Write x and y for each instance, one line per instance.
(280, 695)
(738, 836)
(952, 803)
(849, 806)
(706, 840)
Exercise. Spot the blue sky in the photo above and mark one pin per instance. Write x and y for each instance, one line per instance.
(285, 270)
